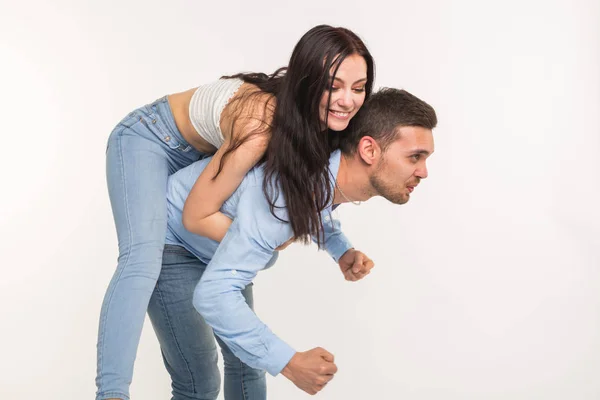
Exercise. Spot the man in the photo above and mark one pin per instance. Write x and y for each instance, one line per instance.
(384, 155)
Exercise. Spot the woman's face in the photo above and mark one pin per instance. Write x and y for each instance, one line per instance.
(347, 93)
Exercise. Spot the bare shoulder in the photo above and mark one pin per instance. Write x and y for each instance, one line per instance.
(249, 112)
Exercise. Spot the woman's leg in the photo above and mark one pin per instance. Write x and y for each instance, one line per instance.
(141, 154)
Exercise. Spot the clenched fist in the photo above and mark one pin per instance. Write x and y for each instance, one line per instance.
(311, 370)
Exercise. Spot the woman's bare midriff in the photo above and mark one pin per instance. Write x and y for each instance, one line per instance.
(180, 107)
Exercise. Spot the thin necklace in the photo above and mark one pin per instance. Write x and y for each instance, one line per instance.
(356, 203)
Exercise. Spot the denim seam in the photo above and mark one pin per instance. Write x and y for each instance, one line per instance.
(128, 218)
(164, 130)
(168, 319)
(113, 395)
(171, 125)
(168, 127)
(162, 136)
(243, 380)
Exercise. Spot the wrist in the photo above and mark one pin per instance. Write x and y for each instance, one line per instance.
(287, 370)
(349, 251)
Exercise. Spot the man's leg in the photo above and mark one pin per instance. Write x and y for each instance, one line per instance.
(242, 381)
(186, 341)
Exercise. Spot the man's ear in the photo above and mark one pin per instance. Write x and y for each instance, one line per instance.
(368, 150)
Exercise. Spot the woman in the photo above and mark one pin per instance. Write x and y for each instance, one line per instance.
(282, 119)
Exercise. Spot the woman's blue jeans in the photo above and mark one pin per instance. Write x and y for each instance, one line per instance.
(143, 150)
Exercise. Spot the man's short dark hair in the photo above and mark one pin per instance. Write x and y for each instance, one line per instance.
(381, 116)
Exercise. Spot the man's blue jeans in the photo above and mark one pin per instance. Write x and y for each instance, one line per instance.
(188, 343)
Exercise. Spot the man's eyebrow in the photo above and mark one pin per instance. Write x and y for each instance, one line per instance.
(360, 80)
(419, 151)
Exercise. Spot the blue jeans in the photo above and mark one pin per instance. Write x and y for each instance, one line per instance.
(188, 343)
(143, 150)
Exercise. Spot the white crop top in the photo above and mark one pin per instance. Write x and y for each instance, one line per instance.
(206, 106)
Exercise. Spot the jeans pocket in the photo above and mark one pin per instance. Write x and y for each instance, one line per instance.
(130, 119)
(114, 135)
(153, 124)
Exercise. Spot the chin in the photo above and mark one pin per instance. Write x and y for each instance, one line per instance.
(338, 126)
(398, 199)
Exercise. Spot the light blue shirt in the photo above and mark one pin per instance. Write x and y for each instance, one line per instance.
(248, 247)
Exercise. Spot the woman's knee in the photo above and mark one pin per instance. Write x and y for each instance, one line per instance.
(141, 260)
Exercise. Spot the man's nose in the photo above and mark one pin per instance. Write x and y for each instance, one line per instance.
(422, 172)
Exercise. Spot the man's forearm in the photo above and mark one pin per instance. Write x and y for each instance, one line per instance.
(336, 242)
(248, 338)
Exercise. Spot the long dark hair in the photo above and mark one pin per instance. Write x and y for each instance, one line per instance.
(297, 157)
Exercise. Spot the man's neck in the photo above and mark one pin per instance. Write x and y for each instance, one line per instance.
(352, 182)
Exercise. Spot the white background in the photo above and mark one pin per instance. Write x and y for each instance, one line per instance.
(487, 283)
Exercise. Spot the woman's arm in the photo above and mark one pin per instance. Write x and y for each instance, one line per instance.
(201, 213)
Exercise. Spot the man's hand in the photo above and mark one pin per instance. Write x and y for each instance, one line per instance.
(355, 265)
(310, 370)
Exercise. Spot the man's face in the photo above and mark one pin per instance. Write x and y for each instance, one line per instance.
(403, 164)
